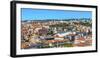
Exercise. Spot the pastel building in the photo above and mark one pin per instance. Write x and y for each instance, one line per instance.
(60, 36)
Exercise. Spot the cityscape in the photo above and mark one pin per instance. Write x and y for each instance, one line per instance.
(56, 33)
(43, 28)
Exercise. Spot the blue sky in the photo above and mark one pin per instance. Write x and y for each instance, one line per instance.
(40, 14)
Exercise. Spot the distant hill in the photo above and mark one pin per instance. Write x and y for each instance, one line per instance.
(56, 20)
